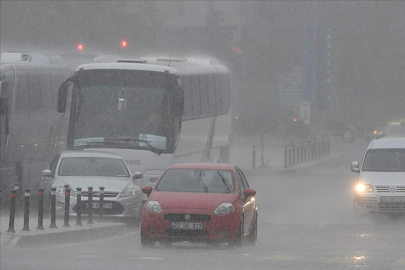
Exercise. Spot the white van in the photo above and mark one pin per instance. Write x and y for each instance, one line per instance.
(380, 186)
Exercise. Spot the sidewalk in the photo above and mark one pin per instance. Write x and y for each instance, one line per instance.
(60, 235)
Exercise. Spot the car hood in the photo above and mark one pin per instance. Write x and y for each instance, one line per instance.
(110, 183)
(190, 200)
(383, 178)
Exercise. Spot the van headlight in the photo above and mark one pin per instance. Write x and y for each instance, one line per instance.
(361, 188)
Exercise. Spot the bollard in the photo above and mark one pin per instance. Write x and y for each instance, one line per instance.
(67, 206)
(53, 208)
(79, 207)
(12, 211)
(253, 158)
(293, 153)
(289, 156)
(40, 209)
(90, 205)
(285, 156)
(27, 210)
(18, 199)
(101, 204)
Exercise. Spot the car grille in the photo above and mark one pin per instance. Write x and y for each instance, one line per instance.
(116, 209)
(391, 207)
(107, 194)
(193, 217)
(186, 233)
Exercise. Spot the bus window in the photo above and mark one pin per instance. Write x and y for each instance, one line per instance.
(218, 92)
(21, 102)
(225, 93)
(34, 90)
(204, 95)
(211, 95)
(46, 90)
(195, 90)
(188, 102)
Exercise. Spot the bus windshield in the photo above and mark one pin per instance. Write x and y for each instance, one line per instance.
(122, 108)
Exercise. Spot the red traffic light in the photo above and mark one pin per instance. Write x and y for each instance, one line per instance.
(124, 43)
(80, 47)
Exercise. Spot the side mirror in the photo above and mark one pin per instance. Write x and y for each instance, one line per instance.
(147, 190)
(355, 167)
(137, 175)
(249, 192)
(47, 173)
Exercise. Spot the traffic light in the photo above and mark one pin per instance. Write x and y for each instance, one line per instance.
(80, 47)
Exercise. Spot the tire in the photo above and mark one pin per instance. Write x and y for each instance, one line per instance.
(146, 242)
(238, 240)
(252, 238)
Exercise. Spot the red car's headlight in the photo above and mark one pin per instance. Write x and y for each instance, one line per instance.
(224, 208)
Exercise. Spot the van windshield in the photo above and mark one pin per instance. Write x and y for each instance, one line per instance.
(385, 160)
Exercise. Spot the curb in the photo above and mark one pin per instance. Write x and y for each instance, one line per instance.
(67, 236)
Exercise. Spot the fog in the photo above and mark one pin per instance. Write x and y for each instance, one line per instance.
(299, 70)
(260, 41)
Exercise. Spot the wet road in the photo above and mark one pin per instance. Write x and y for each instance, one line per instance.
(305, 222)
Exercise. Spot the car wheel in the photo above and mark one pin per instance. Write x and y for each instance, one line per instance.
(253, 234)
(348, 135)
(237, 241)
(146, 242)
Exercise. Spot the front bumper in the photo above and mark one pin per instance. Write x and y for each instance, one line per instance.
(121, 208)
(221, 228)
(375, 203)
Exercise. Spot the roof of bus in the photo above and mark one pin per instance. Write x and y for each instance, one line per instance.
(129, 66)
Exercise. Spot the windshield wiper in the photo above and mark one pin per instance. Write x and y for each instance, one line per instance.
(110, 141)
(202, 183)
(224, 181)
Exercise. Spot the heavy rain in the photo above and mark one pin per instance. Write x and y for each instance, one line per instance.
(99, 98)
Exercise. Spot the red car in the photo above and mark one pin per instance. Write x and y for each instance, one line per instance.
(200, 202)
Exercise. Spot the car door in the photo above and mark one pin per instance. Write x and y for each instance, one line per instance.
(249, 203)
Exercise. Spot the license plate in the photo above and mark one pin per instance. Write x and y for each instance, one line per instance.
(105, 205)
(393, 199)
(187, 225)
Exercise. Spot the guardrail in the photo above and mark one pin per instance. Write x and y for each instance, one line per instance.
(297, 153)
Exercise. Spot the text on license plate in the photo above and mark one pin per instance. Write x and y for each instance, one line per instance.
(187, 225)
(105, 205)
(393, 199)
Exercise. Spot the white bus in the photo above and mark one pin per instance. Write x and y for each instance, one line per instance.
(31, 129)
(152, 112)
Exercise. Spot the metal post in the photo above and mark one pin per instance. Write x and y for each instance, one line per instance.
(67, 206)
(53, 208)
(12, 211)
(40, 209)
(79, 207)
(90, 205)
(285, 156)
(27, 210)
(253, 158)
(18, 199)
(101, 204)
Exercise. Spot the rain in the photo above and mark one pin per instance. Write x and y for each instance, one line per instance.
(298, 92)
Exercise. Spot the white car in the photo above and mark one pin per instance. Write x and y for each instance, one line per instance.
(122, 197)
(381, 182)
